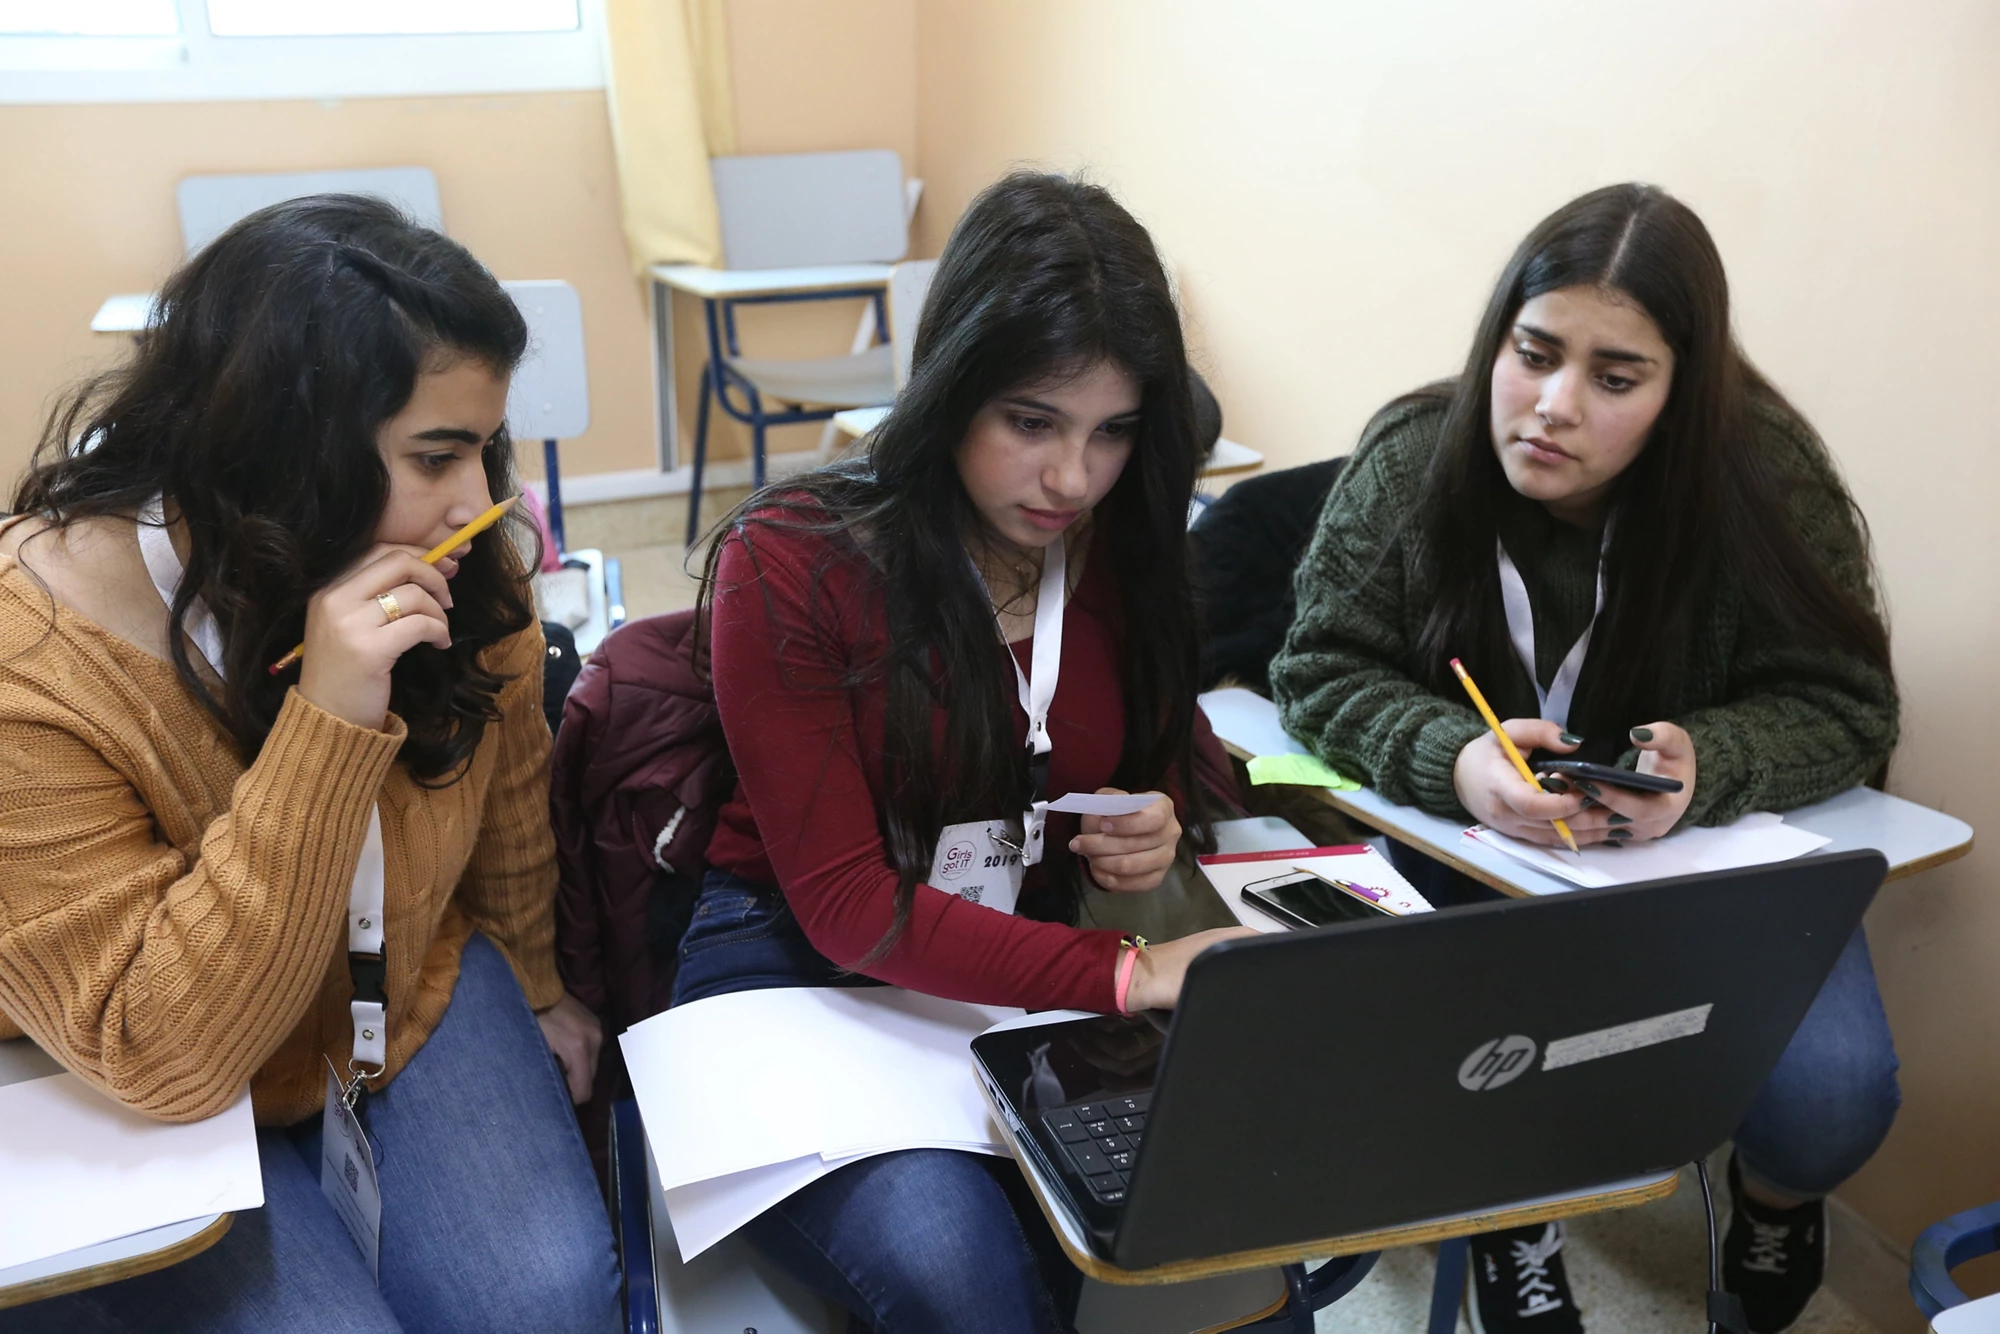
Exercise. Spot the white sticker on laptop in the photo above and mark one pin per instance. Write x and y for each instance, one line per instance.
(1625, 1037)
(980, 862)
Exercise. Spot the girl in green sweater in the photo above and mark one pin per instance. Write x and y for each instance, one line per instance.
(1646, 557)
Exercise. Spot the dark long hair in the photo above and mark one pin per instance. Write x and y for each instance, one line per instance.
(1043, 276)
(1707, 496)
(251, 406)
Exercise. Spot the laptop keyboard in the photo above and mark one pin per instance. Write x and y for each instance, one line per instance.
(1102, 1140)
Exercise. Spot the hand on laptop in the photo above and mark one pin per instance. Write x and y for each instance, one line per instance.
(1619, 815)
(1159, 972)
(1492, 790)
(1132, 852)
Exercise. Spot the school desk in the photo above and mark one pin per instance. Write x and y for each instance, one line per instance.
(1913, 838)
(106, 1262)
(1450, 1231)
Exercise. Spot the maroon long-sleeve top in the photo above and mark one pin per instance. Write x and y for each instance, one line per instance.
(789, 626)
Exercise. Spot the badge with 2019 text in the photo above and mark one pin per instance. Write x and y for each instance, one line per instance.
(980, 861)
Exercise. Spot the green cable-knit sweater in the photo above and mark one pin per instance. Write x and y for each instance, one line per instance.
(1775, 724)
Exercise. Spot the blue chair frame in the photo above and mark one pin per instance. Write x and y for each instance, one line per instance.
(717, 377)
(1943, 1247)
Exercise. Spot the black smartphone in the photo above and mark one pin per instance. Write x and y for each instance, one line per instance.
(1605, 773)
(1301, 899)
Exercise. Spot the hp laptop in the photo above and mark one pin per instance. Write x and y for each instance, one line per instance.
(1368, 1074)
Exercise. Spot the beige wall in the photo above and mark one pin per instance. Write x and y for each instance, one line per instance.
(526, 182)
(1337, 185)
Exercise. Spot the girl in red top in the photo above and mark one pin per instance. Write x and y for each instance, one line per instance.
(1028, 495)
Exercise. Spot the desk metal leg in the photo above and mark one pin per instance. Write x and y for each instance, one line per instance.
(1448, 1289)
(666, 396)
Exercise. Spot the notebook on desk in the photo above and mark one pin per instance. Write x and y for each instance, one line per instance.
(1364, 1075)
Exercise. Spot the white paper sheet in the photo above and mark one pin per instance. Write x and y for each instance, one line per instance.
(77, 1168)
(1755, 839)
(1357, 864)
(751, 1096)
(1090, 803)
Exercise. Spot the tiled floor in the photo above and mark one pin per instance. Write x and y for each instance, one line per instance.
(1634, 1271)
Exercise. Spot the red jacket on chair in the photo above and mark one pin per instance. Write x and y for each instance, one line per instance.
(639, 773)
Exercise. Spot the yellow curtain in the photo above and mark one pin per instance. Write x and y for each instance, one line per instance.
(667, 85)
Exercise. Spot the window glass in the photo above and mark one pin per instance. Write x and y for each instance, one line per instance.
(345, 18)
(89, 18)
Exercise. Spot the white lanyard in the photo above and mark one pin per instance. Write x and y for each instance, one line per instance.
(1554, 701)
(364, 899)
(1038, 690)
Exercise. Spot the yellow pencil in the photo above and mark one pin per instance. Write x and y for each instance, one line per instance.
(1486, 712)
(431, 557)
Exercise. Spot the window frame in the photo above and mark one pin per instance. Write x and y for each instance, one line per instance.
(200, 67)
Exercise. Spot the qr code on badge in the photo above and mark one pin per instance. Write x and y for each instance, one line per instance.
(971, 893)
(352, 1172)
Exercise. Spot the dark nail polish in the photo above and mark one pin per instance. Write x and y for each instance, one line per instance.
(1589, 787)
(1620, 819)
(1642, 734)
(1619, 835)
(1571, 739)
(1554, 783)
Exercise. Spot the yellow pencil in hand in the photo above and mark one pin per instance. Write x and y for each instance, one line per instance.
(431, 557)
(1486, 712)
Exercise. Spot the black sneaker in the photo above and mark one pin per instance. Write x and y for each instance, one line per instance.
(1517, 1282)
(1773, 1259)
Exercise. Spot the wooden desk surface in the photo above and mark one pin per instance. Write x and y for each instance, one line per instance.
(1913, 838)
(713, 284)
(106, 1262)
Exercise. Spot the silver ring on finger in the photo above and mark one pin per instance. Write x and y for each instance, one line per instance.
(391, 609)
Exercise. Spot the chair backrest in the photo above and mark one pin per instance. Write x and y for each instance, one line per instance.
(799, 210)
(209, 205)
(909, 284)
(550, 396)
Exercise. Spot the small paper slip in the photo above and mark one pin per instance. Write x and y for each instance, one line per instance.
(1755, 839)
(1090, 803)
(77, 1168)
(1358, 864)
(752, 1096)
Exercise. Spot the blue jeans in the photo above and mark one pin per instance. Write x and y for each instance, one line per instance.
(911, 1242)
(491, 1220)
(1829, 1102)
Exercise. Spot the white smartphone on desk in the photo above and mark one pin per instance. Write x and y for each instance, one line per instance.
(1302, 900)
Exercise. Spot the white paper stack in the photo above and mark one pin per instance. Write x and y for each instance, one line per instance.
(1357, 864)
(752, 1096)
(1752, 840)
(78, 1169)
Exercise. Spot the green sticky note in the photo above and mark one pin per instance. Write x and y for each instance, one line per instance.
(1308, 770)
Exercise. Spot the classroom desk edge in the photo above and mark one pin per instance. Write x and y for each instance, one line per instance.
(1900, 871)
(1271, 1257)
(112, 1271)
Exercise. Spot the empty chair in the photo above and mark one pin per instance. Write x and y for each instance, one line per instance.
(909, 284)
(796, 211)
(549, 400)
(209, 205)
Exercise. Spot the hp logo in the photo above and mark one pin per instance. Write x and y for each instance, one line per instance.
(1501, 1061)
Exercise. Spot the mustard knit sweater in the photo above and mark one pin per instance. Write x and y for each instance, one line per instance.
(173, 923)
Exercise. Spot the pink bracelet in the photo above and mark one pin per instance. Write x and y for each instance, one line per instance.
(1127, 960)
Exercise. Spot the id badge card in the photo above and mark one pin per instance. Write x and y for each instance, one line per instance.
(981, 863)
(347, 1174)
